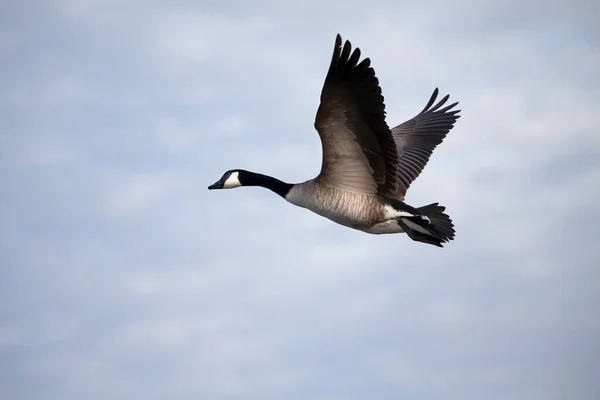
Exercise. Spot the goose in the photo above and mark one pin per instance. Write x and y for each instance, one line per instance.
(366, 167)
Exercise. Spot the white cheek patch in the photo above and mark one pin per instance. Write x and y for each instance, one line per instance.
(233, 181)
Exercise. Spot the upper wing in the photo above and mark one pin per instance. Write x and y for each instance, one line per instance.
(418, 137)
(359, 152)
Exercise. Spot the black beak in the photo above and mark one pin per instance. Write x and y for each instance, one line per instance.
(216, 185)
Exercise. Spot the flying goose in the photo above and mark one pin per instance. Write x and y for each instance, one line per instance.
(366, 168)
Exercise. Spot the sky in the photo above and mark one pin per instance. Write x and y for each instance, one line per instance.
(122, 276)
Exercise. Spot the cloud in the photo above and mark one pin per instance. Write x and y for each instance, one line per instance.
(122, 276)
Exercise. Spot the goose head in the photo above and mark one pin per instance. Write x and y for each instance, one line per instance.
(230, 179)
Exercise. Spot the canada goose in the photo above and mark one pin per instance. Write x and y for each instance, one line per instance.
(366, 167)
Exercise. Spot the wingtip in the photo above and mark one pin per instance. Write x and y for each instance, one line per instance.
(338, 40)
(337, 50)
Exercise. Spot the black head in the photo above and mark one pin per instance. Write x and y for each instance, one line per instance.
(229, 180)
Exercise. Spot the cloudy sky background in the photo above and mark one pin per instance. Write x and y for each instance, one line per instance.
(122, 277)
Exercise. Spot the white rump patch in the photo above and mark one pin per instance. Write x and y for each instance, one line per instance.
(390, 212)
(233, 181)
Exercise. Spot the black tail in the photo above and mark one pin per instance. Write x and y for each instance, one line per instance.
(436, 229)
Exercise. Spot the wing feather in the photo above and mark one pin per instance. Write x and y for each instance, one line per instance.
(359, 151)
(419, 136)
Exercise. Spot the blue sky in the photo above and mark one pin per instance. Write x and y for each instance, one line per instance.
(122, 276)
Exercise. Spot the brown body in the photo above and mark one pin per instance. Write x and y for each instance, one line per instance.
(366, 212)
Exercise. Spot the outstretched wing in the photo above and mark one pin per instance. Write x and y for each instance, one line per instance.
(359, 152)
(418, 137)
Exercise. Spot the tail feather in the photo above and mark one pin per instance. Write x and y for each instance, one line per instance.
(436, 229)
(439, 219)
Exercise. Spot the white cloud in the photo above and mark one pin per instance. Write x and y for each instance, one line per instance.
(124, 277)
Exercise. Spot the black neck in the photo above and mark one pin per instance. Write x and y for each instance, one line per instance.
(274, 184)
